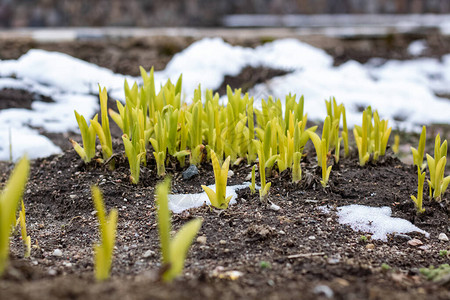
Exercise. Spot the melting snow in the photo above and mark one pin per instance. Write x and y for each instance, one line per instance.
(181, 202)
(375, 220)
(398, 89)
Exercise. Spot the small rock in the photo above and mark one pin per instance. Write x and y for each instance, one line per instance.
(222, 242)
(274, 207)
(249, 177)
(148, 253)
(52, 272)
(443, 237)
(370, 246)
(311, 237)
(67, 264)
(72, 196)
(333, 260)
(424, 247)
(57, 253)
(201, 239)
(402, 237)
(415, 242)
(190, 172)
(230, 173)
(323, 290)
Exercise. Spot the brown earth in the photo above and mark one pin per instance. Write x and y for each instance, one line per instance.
(297, 252)
(287, 254)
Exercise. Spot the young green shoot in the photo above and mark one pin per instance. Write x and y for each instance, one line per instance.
(396, 146)
(419, 199)
(296, 168)
(173, 251)
(218, 198)
(23, 229)
(253, 184)
(132, 151)
(103, 251)
(362, 137)
(87, 152)
(9, 200)
(438, 183)
(321, 146)
(103, 131)
(419, 153)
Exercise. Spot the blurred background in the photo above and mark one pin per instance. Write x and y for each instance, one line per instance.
(163, 13)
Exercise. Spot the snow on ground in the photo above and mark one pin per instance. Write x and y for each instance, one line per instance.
(181, 202)
(374, 220)
(398, 89)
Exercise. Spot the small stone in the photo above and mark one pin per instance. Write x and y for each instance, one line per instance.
(370, 246)
(274, 207)
(402, 237)
(67, 264)
(190, 172)
(311, 237)
(415, 242)
(424, 247)
(52, 272)
(323, 290)
(148, 253)
(230, 173)
(443, 237)
(57, 253)
(333, 260)
(72, 196)
(249, 177)
(201, 239)
(222, 242)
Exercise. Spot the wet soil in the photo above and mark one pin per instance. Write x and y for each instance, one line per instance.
(296, 252)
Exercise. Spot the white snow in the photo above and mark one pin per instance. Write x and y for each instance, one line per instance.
(416, 48)
(181, 202)
(398, 89)
(375, 220)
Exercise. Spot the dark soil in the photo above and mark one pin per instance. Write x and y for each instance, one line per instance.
(287, 254)
(297, 252)
(12, 98)
(248, 78)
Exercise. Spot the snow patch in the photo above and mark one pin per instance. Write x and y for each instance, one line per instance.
(375, 220)
(181, 202)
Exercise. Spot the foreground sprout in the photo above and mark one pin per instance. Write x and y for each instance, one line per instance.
(9, 200)
(103, 251)
(174, 250)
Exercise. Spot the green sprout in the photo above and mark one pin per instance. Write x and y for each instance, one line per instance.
(385, 267)
(419, 153)
(438, 183)
(9, 200)
(321, 145)
(218, 198)
(132, 151)
(419, 199)
(23, 228)
(103, 131)
(396, 146)
(174, 250)
(362, 136)
(87, 152)
(443, 253)
(103, 251)
(253, 184)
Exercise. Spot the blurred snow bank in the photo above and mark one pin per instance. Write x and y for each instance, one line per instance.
(401, 90)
